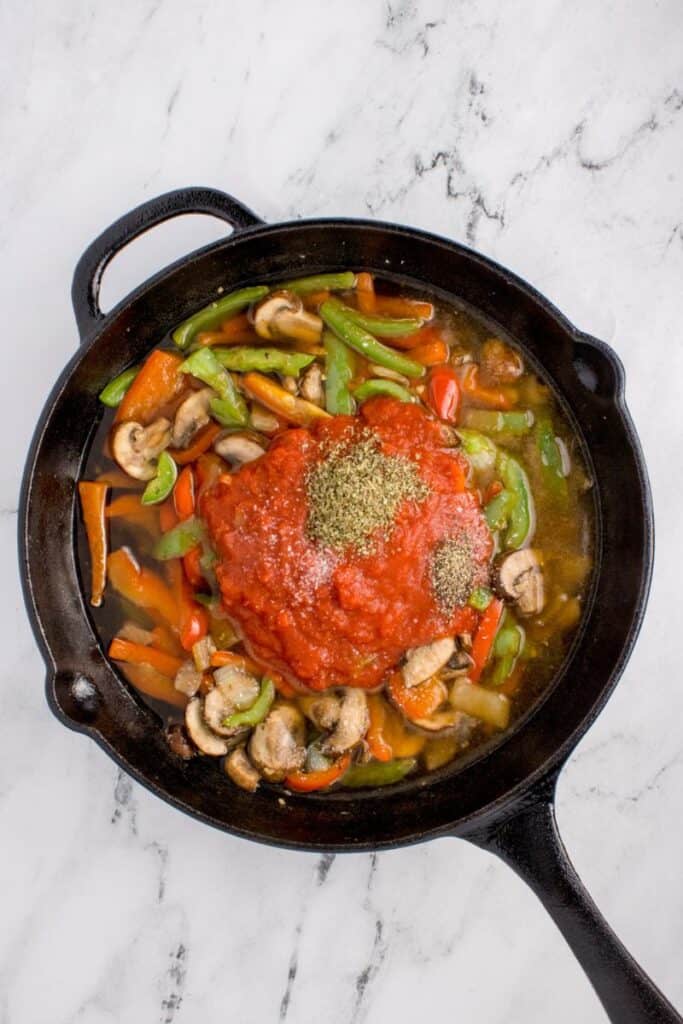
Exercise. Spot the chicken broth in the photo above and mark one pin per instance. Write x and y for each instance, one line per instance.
(335, 533)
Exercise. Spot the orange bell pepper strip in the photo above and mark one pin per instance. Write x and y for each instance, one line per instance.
(183, 494)
(149, 681)
(365, 292)
(391, 305)
(167, 515)
(201, 443)
(429, 353)
(426, 335)
(404, 742)
(166, 640)
(209, 468)
(419, 701)
(377, 744)
(484, 637)
(141, 587)
(93, 497)
(157, 384)
(293, 409)
(314, 299)
(141, 654)
(193, 619)
(127, 506)
(308, 782)
(490, 398)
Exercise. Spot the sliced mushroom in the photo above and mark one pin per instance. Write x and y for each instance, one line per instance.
(290, 384)
(192, 415)
(448, 723)
(459, 663)
(234, 691)
(500, 364)
(263, 420)
(323, 710)
(423, 662)
(312, 385)
(241, 770)
(520, 579)
(282, 315)
(277, 744)
(204, 738)
(137, 448)
(352, 723)
(382, 371)
(188, 679)
(238, 449)
(136, 634)
(178, 741)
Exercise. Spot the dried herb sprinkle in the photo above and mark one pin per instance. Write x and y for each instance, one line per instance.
(452, 574)
(355, 490)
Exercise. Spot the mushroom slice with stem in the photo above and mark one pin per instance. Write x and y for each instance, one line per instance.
(520, 579)
(322, 709)
(137, 448)
(424, 662)
(281, 315)
(241, 770)
(235, 690)
(352, 723)
(192, 415)
(237, 449)
(312, 385)
(277, 743)
(449, 722)
(204, 738)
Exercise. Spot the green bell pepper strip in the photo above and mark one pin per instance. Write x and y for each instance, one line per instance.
(210, 317)
(480, 450)
(480, 599)
(498, 510)
(507, 647)
(161, 486)
(224, 413)
(552, 467)
(384, 326)
(204, 365)
(113, 394)
(179, 540)
(338, 375)
(258, 710)
(265, 360)
(377, 386)
(319, 283)
(516, 423)
(334, 315)
(522, 514)
(378, 773)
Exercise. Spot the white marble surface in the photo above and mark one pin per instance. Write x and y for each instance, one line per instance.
(548, 135)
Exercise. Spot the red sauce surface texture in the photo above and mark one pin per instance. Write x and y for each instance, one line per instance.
(328, 618)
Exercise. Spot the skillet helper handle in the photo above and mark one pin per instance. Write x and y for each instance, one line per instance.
(85, 289)
(529, 842)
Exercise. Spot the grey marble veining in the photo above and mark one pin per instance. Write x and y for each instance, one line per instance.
(549, 136)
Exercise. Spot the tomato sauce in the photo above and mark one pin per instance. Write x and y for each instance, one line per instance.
(324, 617)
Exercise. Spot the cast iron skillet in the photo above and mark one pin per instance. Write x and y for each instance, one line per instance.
(502, 801)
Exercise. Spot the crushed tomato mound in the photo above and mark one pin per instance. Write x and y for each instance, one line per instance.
(327, 616)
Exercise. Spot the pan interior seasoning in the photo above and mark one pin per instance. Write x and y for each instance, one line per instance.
(356, 490)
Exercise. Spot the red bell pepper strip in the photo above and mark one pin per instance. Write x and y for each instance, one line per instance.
(443, 393)
(193, 569)
(167, 515)
(484, 637)
(93, 497)
(308, 782)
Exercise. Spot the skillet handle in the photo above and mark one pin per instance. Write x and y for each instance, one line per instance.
(85, 289)
(529, 842)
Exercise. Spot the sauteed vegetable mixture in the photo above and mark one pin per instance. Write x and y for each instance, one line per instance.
(335, 533)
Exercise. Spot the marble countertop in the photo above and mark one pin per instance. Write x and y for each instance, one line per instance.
(548, 136)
